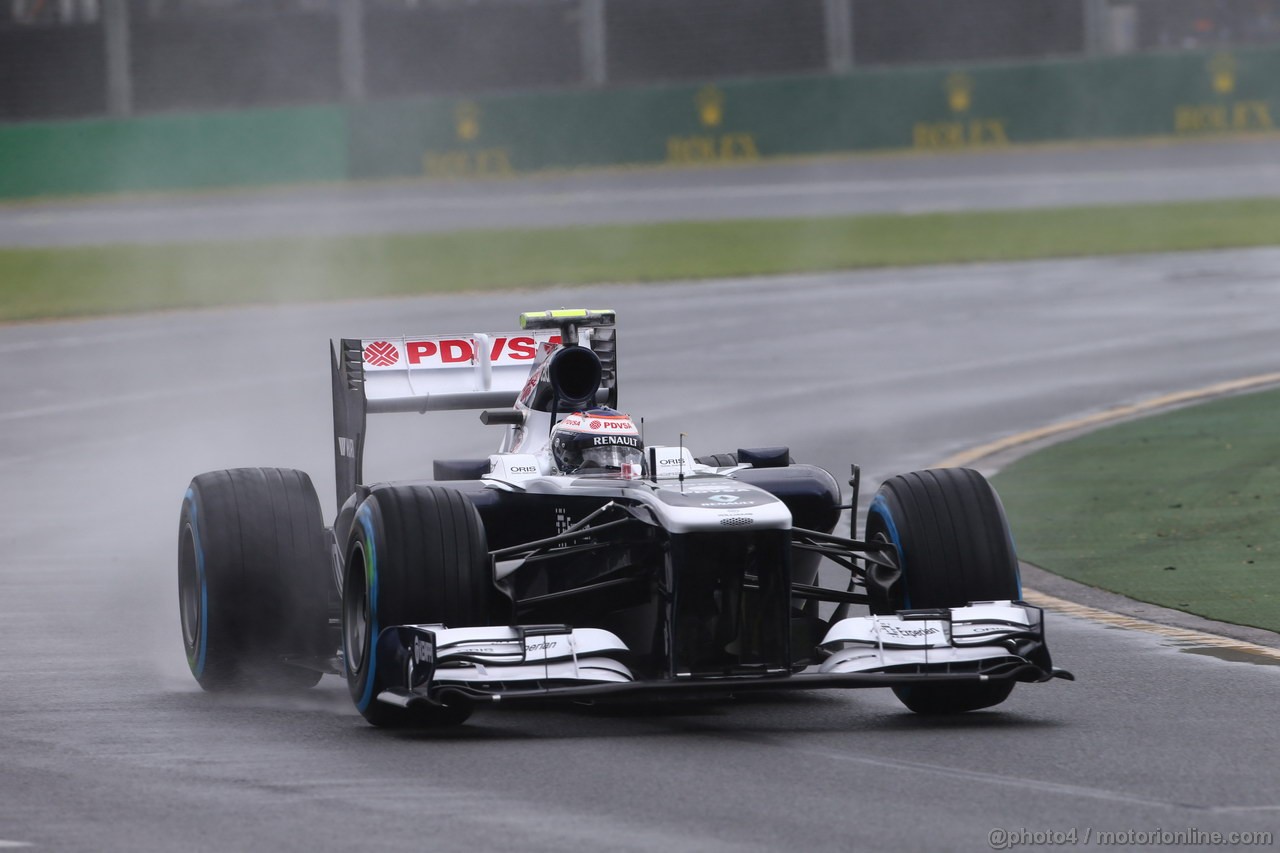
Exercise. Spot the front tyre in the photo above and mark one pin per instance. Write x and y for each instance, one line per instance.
(253, 578)
(954, 547)
(416, 555)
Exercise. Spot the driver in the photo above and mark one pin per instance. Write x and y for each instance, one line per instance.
(597, 441)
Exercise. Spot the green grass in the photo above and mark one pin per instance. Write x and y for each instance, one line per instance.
(1179, 509)
(109, 279)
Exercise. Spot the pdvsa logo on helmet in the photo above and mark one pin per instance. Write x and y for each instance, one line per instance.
(621, 424)
(600, 424)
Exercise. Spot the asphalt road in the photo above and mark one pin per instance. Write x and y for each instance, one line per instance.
(976, 180)
(108, 745)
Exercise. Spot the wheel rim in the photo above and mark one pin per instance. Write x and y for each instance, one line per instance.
(189, 590)
(881, 603)
(355, 611)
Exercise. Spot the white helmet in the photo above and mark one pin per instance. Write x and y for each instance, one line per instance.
(597, 440)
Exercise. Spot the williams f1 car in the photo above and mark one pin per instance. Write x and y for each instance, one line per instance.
(578, 564)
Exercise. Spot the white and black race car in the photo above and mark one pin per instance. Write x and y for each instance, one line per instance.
(577, 564)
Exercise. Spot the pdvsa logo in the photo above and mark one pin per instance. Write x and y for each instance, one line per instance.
(381, 354)
(453, 352)
(623, 423)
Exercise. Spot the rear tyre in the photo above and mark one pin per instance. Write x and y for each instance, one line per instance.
(718, 460)
(954, 547)
(726, 460)
(415, 555)
(253, 579)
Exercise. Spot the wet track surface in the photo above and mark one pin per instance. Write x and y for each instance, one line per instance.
(874, 184)
(109, 745)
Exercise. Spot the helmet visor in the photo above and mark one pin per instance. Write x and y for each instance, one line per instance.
(610, 457)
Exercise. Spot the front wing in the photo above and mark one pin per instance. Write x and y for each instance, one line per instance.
(983, 642)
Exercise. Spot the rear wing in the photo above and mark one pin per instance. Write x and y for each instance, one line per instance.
(449, 372)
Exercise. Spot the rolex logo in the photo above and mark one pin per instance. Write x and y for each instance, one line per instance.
(710, 102)
(466, 118)
(959, 92)
(1222, 71)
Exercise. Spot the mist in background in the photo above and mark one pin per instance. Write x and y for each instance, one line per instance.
(109, 743)
(174, 61)
(263, 92)
(90, 58)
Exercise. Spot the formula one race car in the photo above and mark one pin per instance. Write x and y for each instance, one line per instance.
(578, 564)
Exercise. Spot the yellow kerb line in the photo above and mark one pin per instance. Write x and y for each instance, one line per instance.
(969, 457)
(1117, 620)
(1199, 638)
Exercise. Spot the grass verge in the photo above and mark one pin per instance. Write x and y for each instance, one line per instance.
(107, 279)
(1178, 509)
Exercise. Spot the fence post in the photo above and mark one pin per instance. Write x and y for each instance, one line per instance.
(837, 20)
(594, 50)
(351, 49)
(115, 32)
(1095, 27)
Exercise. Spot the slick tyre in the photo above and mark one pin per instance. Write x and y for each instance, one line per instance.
(954, 547)
(726, 460)
(415, 555)
(718, 460)
(254, 574)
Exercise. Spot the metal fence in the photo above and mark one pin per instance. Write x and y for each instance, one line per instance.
(83, 58)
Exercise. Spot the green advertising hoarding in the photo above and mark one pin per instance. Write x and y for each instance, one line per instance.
(931, 108)
(934, 108)
(189, 151)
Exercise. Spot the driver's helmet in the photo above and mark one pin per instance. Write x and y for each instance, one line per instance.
(597, 440)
